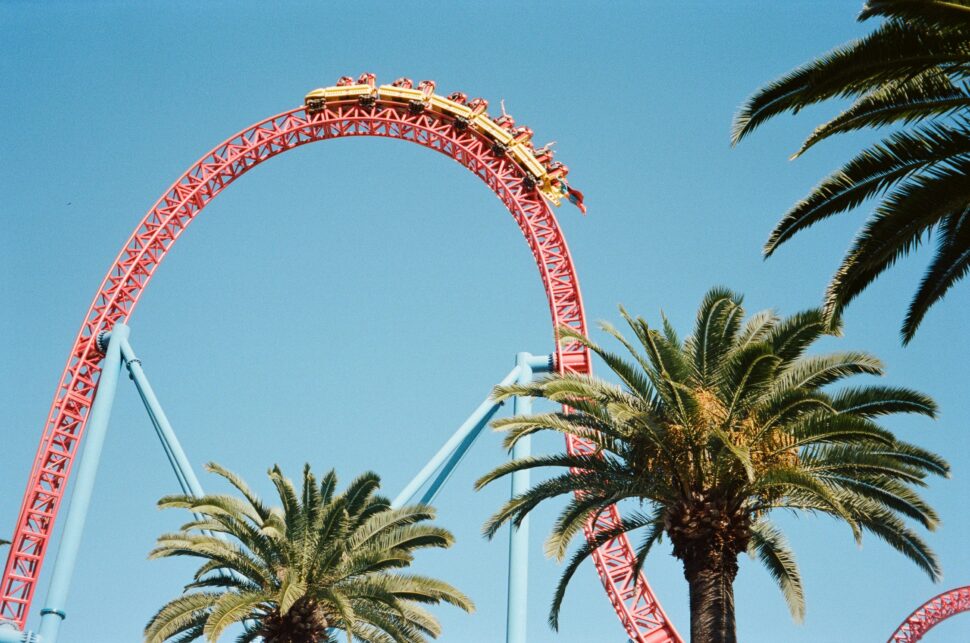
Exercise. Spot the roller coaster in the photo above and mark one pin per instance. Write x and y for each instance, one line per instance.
(497, 152)
(526, 179)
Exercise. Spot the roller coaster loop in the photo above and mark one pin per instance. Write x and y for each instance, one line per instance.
(331, 117)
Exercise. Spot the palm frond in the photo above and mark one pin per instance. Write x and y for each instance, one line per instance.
(772, 549)
(187, 612)
(873, 401)
(893, 51)
(897, 227)
(900, 159)
(821, 370)
(228, 609)
(945, 14)
(718, 321)
(908, 100)
(790, 337)
(746, 374)
(875, 518)
(950, 264)
(582, 554)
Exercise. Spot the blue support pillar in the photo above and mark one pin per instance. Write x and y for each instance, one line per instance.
(454, 449)
(166, 434)
(87, 468)
(517, 611)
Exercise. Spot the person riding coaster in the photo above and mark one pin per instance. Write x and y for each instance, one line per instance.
(540, 170)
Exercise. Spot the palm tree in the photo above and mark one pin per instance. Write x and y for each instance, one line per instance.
(294, 574)
(911, 74)
(710, 436)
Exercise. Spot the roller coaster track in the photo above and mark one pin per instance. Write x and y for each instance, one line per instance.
(642, 618)
(929, 614)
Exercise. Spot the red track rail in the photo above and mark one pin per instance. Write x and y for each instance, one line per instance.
(642, 617)
(939, 608)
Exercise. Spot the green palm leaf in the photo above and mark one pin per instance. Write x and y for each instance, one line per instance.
(906, 101)
(771, 548)
(894, 51)
(937, 13)
(949, 265)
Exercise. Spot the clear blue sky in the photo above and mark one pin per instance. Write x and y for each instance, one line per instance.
(349, 303)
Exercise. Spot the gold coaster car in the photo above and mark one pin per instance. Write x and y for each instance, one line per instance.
(345, 89)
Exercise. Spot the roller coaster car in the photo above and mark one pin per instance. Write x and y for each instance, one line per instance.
(318, 98)
(501, 137)
(427, 88)
(315, 100)
(453, 106)
(465, 111)
(403, 90)
(505, 122)
(544, 154)
(557, 171)
(553, 184)
(427, 91)
(521, 135)
(534, 170)
(553, 193)
(478, 106)
(370, 80)
(399, 93)
(554, 190)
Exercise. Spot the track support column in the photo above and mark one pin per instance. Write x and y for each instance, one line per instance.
(187, 479)
(53, 613)
(518, 592)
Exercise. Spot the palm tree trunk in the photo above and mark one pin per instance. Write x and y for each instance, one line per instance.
(711, 581)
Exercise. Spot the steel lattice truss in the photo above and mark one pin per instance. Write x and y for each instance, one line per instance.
(938, 608)
(642, 617)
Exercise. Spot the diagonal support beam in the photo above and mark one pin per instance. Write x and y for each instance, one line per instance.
(453, 450)
(187, 479)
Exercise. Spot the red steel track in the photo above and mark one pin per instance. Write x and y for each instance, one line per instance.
(939, 608)
(641, 615)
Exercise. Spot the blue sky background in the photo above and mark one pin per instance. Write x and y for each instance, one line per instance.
(349, 303)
